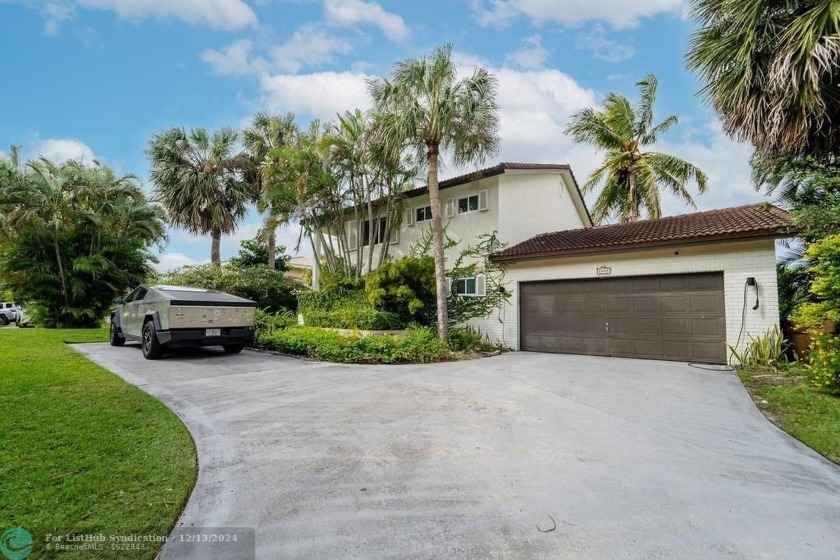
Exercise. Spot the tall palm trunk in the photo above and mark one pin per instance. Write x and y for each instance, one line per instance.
(437, 243)
(272, 244)
(215, 250)
(61, 271)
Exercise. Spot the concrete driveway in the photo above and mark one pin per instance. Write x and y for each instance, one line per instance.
(517, 456)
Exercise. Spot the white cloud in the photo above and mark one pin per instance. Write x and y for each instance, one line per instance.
(725, 161)
(171, 261)
(220, 14)
(235, 59)
(321, 94)
(63, 149)
(308, 46)
(617, 13)
(531, 54)
(603, 47)
(55, 14)
(352, 12)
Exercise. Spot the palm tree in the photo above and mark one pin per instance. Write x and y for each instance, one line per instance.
(200, 181)
(770, 71)
(266, 133)
(424, 106)
(631, 178)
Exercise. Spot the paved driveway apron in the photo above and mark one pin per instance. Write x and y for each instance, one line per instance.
(482, 459)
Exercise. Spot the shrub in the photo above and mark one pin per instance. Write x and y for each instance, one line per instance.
(345, 309)
(420, 345)
(406, 288)
(825, 363)
(271, 289)
(267, 323)
(765, 352)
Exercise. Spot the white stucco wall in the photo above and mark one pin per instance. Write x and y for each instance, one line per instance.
(737, 261)
(521, 204)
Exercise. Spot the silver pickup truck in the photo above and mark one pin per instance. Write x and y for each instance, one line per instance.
(161, 317)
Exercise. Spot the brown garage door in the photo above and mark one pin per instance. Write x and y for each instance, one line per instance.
(675, 317)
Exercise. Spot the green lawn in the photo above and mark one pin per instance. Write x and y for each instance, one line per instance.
(82, 451)
(808, 415)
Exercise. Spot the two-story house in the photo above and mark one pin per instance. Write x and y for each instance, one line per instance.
(680, 288)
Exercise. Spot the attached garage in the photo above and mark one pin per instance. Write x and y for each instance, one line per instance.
(669, 317)
(681, 288)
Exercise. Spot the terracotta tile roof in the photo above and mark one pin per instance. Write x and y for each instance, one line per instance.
(756, 220)
(489, 172)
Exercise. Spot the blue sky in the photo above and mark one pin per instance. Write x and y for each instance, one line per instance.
(96, 78)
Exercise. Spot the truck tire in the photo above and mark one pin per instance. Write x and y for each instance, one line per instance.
(233, 348)
(114, 337)
(152, 350)
(4, 320)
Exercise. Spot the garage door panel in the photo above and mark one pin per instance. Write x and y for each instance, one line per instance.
(674, 317)
(707, 303)
(646, 304)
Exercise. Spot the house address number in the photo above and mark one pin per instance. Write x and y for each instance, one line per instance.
(604, 271)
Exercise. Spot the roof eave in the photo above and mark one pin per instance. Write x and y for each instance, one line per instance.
(634, 247)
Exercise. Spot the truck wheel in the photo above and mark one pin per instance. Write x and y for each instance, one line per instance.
(4, 320)
(233, 348)
(113, 336)
(152, 350)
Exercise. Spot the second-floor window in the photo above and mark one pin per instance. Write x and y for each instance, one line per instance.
(468, 204)
(423, 214)
(379, 233)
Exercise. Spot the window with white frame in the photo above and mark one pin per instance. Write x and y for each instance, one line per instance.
(471, 286)
(379, 233)
(422, 214)
(468, 204)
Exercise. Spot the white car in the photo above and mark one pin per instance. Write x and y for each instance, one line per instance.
(22, 319)
(8, 312)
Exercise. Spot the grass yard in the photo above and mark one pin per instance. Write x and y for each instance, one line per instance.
(82, 451)
(792, 404)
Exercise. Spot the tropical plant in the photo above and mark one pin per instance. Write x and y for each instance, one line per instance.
(273, 290)
(76, 236)
(631, 178)
(424, 106)
(768, 351)
(770, 69)
(256, 252)
(406, 288)
(265, 133)
(200, 180)
(824, 259)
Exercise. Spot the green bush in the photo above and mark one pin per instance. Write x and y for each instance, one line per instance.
(464, 338)
(405, 287)
(266, 322)
(825, 363)
(271, 289)
(345, 309)
(420, 345)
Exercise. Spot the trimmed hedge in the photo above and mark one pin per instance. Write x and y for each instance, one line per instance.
(419, 345)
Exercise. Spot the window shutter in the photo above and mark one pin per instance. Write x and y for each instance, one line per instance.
(409, 216)
(483, 200)
(395, 234)
(450, 207)
(480, 290)
(352, 231)
(448, 286)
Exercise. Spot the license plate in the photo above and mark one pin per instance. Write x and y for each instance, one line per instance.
(213, 332)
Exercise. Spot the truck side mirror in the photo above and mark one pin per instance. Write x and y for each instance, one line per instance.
(119, 300)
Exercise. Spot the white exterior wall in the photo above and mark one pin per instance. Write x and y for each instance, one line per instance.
(534, 202)
(521, 204)
(737, 261)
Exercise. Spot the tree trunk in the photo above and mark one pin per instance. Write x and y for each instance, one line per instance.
(272, 244)
(633, 211)
(215, 249)
(437, 243)
(372, 228)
